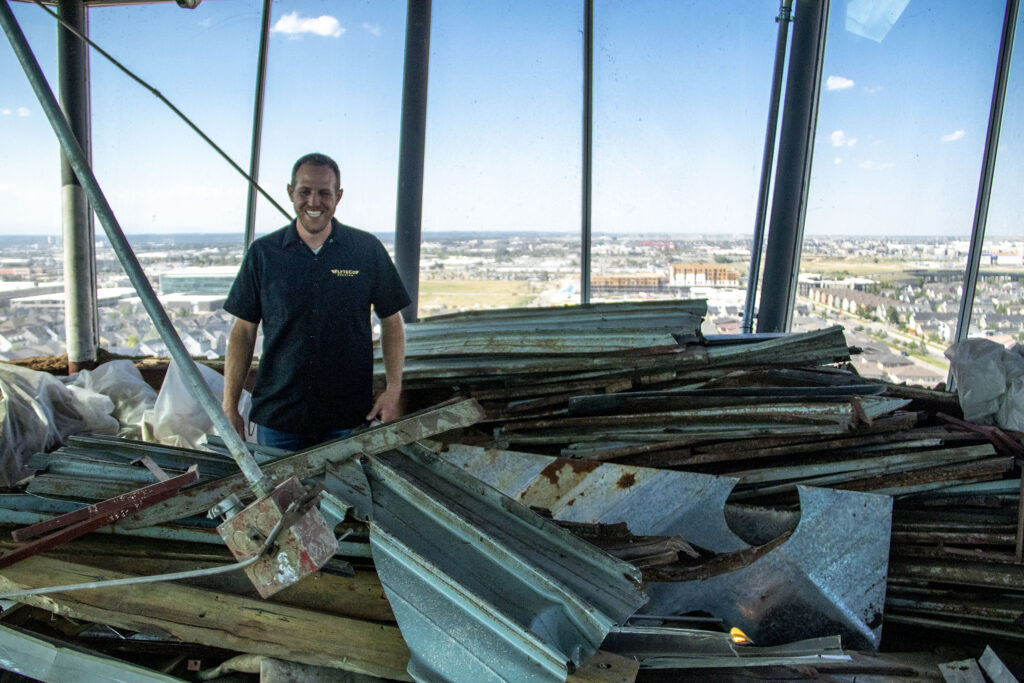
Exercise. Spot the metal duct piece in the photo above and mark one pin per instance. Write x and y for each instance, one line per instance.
(827, 578)
(482, 588)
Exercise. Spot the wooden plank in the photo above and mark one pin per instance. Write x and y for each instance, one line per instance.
(358, 597)
(208, 618)
(312, 462)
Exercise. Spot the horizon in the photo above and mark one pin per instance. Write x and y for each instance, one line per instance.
(431, 235)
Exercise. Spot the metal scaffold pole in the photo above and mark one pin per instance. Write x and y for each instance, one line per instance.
(80, 163)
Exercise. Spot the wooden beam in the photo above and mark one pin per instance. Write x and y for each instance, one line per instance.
(208, 618)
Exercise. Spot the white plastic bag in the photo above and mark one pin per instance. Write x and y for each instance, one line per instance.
(122, 383)
(989, 382)
(178, 419)
(37, 413)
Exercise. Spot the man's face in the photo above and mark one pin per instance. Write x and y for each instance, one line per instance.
(315, 195)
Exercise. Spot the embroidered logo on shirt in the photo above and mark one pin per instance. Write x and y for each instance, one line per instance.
(344, 273)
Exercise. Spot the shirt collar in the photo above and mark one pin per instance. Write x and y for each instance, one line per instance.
(291, 234)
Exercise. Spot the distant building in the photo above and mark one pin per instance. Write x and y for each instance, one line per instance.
(809, 281)
(911, 373)
(105, 296)
(704, 275)
(857, 302)
(208, 280)
(628, 283)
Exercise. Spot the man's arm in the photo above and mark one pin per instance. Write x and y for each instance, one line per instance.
(392, 345)
(236, 369)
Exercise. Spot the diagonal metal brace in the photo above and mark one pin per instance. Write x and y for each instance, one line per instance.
(312, 462)
(59, 530)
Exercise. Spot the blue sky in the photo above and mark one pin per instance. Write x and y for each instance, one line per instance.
(681, 99)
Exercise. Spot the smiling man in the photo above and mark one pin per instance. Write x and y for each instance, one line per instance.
(312, 284)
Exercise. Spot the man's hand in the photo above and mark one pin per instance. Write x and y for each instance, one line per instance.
(386, 407)
(241, 344)
(235, 418)
(392, 342)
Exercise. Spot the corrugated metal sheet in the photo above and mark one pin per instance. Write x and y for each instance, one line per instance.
(482, 588)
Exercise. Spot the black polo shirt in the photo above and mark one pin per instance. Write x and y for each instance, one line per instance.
(316, 371)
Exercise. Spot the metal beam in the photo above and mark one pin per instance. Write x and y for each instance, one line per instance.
(81, 318)
(409, 213)
(122, 248)
(767, 161)
(257, 125)
(988, 164)
(792, 175)
(313, 461)
(588, 150)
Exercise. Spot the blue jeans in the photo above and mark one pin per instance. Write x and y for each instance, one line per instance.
(296, 442)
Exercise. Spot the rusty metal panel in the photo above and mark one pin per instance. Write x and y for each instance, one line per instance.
(651, 502)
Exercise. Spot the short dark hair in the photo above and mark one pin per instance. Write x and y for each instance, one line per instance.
(317, 159)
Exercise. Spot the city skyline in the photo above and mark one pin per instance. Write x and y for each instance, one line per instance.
(897, 151)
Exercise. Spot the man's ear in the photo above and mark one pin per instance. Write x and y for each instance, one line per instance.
(289, 190)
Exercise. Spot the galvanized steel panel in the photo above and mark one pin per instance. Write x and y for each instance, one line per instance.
(652, 502)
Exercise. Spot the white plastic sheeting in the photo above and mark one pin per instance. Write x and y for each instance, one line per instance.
(38, 412)
(990, 382)
(122, 383)
(178, 419)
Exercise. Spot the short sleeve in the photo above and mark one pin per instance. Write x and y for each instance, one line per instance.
(389, 295)
(244, 298)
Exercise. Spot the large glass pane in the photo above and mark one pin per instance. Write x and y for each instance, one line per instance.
(998, 311)
(501, 214)
(180, 204)
(680, 107)
(897, 159)
(30, 224)
(334, 85)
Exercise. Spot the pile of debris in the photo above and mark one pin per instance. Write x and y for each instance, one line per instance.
(585, 492)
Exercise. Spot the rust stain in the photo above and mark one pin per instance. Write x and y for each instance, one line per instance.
(551, 472)
(581, 466)
(626, 480)
(571, 502)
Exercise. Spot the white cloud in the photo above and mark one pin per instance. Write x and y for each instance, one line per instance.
(372, 29)
(872, 89)
(23, 112)
(293, 25)
(838, 83)
(954, 136)
(839, 139)
(837, 161)
(5, 112)
(871, 164)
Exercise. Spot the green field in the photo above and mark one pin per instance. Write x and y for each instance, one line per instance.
(437, 296)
